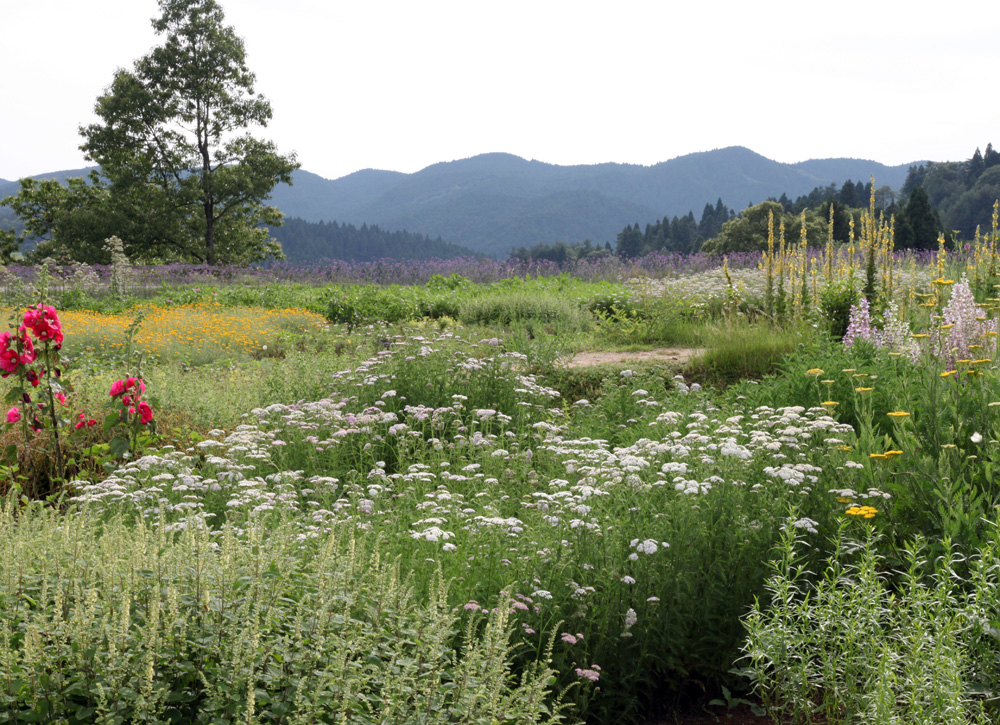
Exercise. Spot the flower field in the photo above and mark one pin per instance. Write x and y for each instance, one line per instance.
(429, 519)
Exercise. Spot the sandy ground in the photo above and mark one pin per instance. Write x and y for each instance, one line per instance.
(677, 355)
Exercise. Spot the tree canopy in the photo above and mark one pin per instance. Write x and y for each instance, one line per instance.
(181, 177)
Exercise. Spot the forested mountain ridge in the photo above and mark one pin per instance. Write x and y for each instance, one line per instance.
(493, 203)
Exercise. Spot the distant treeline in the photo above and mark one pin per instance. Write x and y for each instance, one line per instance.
(952, 199)
(302, 241)
(962, 193)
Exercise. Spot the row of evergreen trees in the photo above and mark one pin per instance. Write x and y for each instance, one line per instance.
(303, 241)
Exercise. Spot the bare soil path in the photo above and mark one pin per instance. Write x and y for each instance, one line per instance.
(676, 355)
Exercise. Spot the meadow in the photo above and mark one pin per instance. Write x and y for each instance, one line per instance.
(390, 500)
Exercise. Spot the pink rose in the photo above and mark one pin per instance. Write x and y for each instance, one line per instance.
(13, 415)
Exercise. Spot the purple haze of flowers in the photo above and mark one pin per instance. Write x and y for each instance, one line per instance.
(396, 271)
(965, 325)
(860, 326)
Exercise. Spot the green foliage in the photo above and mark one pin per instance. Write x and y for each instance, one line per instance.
(864, 645)
(748, 231)
(738, 352)
(168, 142)
(506, 309)
(835, 302)
(247, 628)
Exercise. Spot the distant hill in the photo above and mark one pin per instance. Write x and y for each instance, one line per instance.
(495, 202)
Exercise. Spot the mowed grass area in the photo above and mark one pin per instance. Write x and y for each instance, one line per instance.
(431, 519)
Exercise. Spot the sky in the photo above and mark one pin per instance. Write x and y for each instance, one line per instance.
(403, 84)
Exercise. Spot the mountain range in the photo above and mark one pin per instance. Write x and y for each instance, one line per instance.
(495, 202)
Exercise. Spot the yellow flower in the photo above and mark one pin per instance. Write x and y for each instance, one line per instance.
(830, 403)
(848, 370)
(864, 390)
(877, 456)
(892, 454)
(844, 448)
(843, 499)
(946, 373)
(815, 372)
(898, 414)
(919, 335)
(867, 512)
(860, 375)
(948, 326)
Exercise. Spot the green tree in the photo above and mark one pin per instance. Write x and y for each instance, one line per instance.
(69, 221)
(918, 227)
(173, 139)
(8, 245)
(630, 242)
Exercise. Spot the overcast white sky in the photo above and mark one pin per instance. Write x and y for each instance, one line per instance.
(402, 84)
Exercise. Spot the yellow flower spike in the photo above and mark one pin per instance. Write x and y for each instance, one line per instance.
(898, 414)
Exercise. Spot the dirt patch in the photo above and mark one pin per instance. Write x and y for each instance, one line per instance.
(676, 355)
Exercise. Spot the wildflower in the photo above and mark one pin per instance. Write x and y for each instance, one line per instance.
(592, 675)
(977, 438)
(568, 638)
(44, 323)
(864, 390)
(829, 403)
(948, 373)
(815, 372)
(867, 512)
(898, 414)
(877, 456)
(13, 415)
